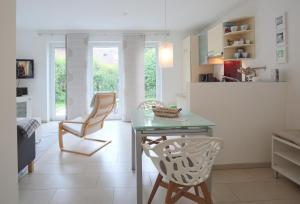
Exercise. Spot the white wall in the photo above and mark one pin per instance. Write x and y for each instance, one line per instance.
(8, 136)
(171, 78)
(34, 46)
(265, 12)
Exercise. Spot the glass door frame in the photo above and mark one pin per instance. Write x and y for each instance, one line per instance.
(106, 44)
(52, 104)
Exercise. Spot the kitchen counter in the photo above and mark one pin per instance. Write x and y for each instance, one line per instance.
(245, 115)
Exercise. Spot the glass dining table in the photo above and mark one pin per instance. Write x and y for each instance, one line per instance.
(145, 123)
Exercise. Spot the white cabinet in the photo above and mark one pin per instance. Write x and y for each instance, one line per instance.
(191, 66)
(215, 41)
(24, 107)
(203, 49)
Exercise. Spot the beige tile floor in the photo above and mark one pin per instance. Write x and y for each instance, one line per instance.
(106, 178)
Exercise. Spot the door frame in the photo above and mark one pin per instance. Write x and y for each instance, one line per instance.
(107, 44)
(52, 48)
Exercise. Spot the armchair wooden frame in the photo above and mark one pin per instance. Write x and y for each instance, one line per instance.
(93, 123)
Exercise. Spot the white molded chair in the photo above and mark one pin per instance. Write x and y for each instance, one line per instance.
(184, 163)
(147, 105)
(103, 104)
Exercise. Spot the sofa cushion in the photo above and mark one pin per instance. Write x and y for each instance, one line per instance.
(289, 135)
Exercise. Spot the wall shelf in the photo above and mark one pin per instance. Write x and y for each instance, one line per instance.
(238, 32)
(237, 46)
(230, 50)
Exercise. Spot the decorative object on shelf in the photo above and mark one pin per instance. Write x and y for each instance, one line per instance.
(234, 28)
(274, 75)
(245, 54)
(227, 26)
(240, 53)
(165, 48)
(244, 27)
(281, 38)
(166, 112)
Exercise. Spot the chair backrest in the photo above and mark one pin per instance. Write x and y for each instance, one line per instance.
(185, 161)
(147, 105)
(103, 104)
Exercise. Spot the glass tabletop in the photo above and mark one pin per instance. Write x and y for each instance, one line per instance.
(142, 120)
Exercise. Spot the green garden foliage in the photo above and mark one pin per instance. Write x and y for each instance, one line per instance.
(60, 82)
(150, 73)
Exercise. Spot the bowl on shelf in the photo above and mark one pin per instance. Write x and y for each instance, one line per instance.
(244, 27)
(234, 28)
(245, 54)
(237, 55)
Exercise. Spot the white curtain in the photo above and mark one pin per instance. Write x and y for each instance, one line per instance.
(77, 85)
(133, 58)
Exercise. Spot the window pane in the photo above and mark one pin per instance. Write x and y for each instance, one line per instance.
(60, 81)
(150, 73)
(106, 73)
(105, 69)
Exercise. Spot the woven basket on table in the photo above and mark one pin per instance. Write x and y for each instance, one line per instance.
(166, 112)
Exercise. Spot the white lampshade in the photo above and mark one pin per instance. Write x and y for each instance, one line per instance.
(165, 55)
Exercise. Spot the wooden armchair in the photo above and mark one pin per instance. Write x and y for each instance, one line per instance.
(103, 104)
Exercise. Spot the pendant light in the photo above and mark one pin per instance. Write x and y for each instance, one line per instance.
(165, 50)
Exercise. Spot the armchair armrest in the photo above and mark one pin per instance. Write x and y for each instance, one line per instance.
(70, 121)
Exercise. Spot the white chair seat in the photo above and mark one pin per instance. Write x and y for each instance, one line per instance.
(74, 128)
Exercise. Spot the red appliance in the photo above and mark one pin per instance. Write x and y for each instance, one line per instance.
(231, 69)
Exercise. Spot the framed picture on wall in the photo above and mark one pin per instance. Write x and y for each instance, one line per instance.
(281, 55)
(281, 21)
(280, 38)
(281, 41)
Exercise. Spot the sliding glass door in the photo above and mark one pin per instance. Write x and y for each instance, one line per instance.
(58, 81)
(106, 72)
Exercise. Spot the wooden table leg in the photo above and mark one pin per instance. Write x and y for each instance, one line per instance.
(31, 167)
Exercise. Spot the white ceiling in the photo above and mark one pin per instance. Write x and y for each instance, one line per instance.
(119, 14)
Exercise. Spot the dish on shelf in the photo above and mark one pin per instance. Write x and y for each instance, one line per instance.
(244, 27)
(234, 28)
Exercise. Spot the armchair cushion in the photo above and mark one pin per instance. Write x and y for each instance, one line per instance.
(74, 128)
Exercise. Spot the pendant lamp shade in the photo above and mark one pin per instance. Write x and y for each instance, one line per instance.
(165, 55)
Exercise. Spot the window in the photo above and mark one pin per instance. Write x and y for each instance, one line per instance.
(152, 73)
(58, 81)
(106, 72)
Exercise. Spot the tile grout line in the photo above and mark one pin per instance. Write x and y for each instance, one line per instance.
(52, 197)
